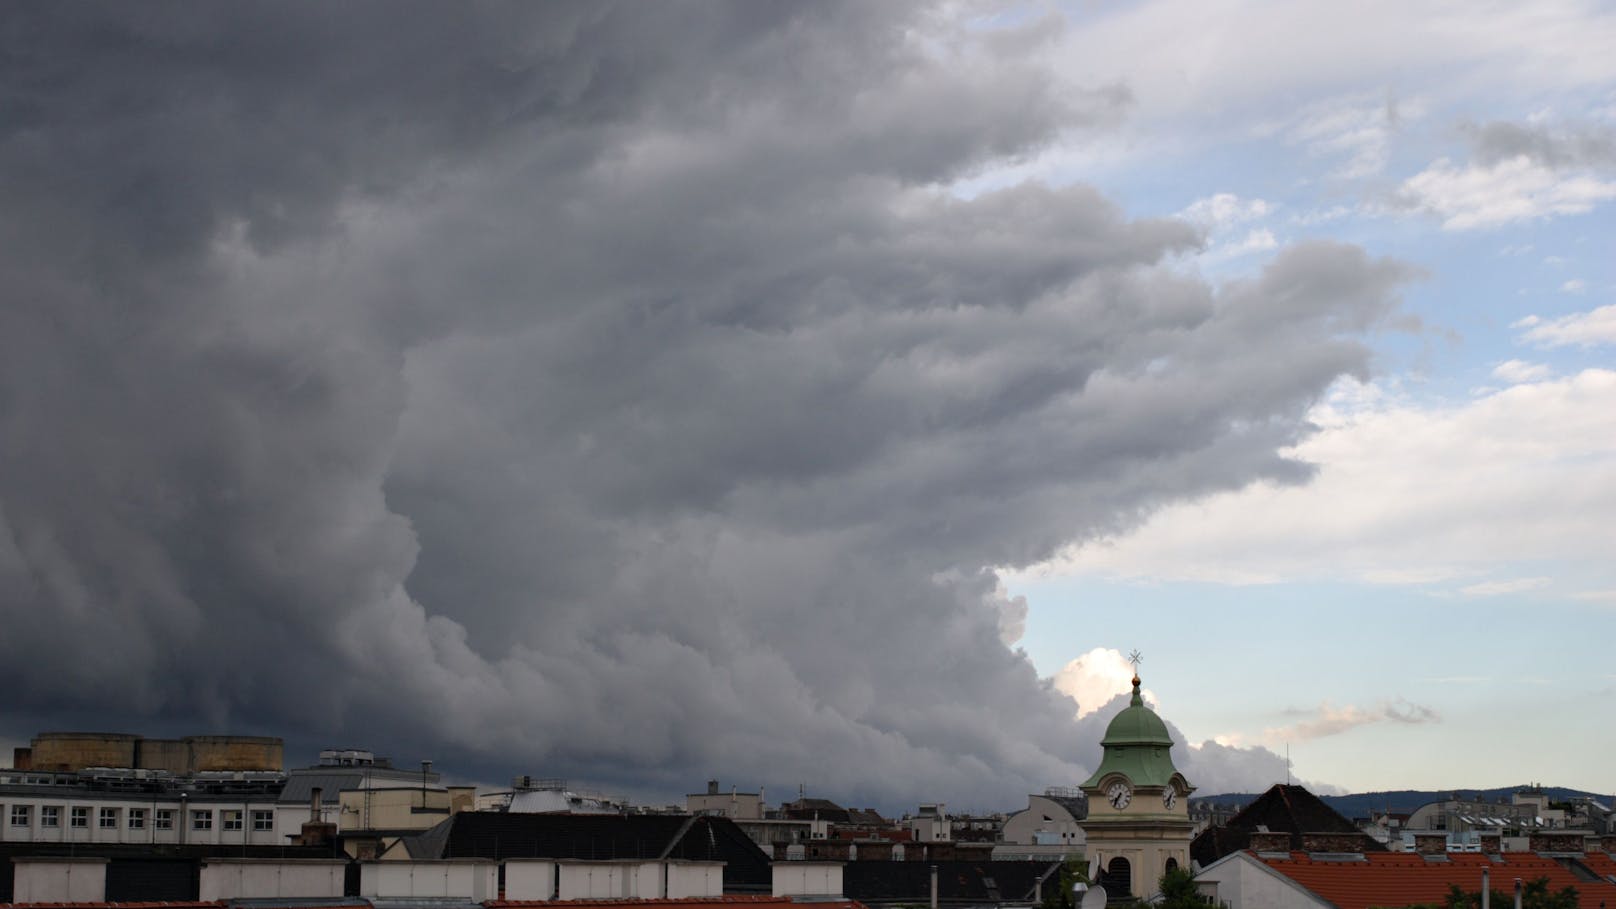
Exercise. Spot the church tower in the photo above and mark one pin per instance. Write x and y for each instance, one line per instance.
(1138, 825)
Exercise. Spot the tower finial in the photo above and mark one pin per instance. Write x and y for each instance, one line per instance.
(1135, 659)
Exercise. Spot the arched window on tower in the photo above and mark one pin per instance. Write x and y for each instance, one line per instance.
(1117, 878)
(1172, 863)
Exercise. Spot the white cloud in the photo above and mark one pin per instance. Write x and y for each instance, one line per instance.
(1404, 494)
(1096, 677)
(1238, 54)
(1257, 240)
(1516, 371)
(1326, 720)
(1484, 196)
(1220, 215)
(1595, 596)
(1357, 130)
(1224, 210)
(1322, 216)
(1574, 286)
(1504, 587)
(1582, 329)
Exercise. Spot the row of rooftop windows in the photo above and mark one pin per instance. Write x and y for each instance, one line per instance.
(135, 818)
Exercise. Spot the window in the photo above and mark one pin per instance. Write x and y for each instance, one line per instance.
(108, 819)
(137, 819)
(80, 817)
(50, 815)
(230, 820)
(263, 820)
(202, 820)
(163, 819)
(21, 815)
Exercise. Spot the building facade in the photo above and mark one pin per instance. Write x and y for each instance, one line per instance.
(138, 807)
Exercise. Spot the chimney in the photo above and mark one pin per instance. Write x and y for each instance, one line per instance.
(1492, 843)
(315, 832)
(712, 787)
(934, 887)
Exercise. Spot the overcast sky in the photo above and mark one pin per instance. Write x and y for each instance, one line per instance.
(821, 394)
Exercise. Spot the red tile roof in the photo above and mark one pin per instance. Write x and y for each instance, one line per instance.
(1393, 879)
(693, 902)
(1600, 863)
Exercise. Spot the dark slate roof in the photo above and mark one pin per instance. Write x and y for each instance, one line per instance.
(1077, 805)
(867, 817)
(299, 786)
(1291, 809)
(1282, 809)
(502, 835)
(957, 882)
(812, 809)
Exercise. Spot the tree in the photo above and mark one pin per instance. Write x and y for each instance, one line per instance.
(1534, 895)
(1073, 870)
(1178, 891)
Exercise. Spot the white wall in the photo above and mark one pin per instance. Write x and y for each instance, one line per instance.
(225, 879)
(1245, 883)
(529, 879)
(701, 879)
(583, 880)
(469, 879)
(1023, 827)
(59, 880)
(807, 879)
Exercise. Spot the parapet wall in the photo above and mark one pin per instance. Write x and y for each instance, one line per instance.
(76, 750)
(71, 751)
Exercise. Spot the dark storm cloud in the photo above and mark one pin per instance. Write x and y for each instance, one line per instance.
(594, 390)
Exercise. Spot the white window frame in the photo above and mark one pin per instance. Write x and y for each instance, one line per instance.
(230, 819)
(50, 816)
(202, 819)
(22, 815)
(78, 817)
(163, 819)
(137, 819)
(106, 819)
(263, 820)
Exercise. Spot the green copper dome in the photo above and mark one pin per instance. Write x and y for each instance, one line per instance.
(1136, 725)
(1137, 746)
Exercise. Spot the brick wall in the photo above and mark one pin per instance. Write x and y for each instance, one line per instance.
(1431, 843)
(1332, 842)
(1555, 842)
(1270, 842)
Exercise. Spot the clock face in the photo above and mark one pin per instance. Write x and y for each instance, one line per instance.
(1169, 797)
(1118, 795)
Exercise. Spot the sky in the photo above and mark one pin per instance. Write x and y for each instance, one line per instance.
(821, 395)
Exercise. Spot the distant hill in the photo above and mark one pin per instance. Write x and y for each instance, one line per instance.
(1406, 800)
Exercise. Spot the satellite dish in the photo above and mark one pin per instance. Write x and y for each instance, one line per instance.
(1094, 899)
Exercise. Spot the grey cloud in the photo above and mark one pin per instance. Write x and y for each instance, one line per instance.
(594, 390)
(1576, 147)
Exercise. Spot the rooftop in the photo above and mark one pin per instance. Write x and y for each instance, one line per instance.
(1402, 878)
